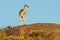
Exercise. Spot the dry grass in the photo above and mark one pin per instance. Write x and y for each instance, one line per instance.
(39, 31)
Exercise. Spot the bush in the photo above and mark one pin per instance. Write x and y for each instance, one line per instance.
(33, 34)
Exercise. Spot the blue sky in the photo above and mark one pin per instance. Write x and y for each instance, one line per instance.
(39, 11)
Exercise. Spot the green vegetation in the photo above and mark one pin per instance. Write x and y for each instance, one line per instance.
(32, 35)
(8, 26)
(37, 36)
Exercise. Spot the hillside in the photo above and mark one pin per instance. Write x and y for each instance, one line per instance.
(50, 30)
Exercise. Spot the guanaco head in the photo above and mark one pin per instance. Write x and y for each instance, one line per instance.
(26, 6)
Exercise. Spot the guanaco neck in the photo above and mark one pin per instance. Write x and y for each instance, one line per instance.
(25, 8)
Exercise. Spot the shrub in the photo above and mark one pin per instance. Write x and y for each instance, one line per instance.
(33, 34)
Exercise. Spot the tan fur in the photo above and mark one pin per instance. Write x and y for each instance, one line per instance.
(23, 14)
